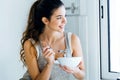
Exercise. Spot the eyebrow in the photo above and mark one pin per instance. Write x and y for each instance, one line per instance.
(58, 15)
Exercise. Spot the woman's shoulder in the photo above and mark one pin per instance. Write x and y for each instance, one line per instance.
(73, 36)
(29, 43)
(74, 39)
(29, 47)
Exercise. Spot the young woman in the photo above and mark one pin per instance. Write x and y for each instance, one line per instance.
(45, 40)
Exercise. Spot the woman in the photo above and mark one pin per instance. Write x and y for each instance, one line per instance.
(44, 41)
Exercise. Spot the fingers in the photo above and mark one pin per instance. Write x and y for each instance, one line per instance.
(48, 52)
(79, 64)
(67, 69)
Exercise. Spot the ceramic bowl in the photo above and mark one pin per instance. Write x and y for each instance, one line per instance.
(71, 62)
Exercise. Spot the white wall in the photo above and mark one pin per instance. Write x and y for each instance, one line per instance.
(89, 36)
(93, 40)
(13, 17)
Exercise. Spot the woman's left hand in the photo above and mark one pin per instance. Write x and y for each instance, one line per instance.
(70, 70)
(78, 72)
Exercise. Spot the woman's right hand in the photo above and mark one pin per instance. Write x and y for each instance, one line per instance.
(49, 55)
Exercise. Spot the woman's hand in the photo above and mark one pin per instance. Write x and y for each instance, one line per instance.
(78, 72)
(49, 55)
(70, 70)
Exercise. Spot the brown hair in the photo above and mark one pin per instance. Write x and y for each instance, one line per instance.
(35, 26)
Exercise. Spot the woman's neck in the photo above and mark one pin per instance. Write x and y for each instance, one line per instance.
(50, 37)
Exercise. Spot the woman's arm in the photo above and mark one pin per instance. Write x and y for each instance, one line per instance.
(32, 65)
(79, 72)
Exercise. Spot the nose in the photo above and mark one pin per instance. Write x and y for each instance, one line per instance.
(64, 20)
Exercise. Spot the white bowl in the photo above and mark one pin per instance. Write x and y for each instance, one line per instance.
(71, 62)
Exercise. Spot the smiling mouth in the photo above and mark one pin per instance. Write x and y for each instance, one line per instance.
(61, 27)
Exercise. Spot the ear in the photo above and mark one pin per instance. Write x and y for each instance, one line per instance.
(45, 20)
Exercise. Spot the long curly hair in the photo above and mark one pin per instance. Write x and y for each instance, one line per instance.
(35, 26)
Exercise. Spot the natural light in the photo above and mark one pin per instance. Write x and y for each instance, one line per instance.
(115, 35)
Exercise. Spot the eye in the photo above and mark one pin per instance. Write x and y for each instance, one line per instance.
(59, 17)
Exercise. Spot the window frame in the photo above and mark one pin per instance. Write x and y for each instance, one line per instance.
(104, 42)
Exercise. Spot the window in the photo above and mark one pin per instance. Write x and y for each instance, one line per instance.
(114, 37)
(110, 39)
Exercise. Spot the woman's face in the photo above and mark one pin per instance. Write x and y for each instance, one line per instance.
(58, 20)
